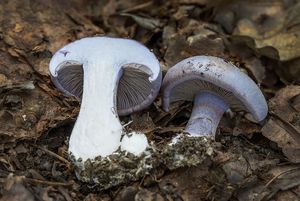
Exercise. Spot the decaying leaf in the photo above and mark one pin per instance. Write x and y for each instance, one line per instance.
(280, 182)
(256, 68)
(283, 127)
(286, 43)
(145, 22)
(194, 38)
(24, 114)
(16, 191)
(269, 25)
(95, 197)
(289, 71)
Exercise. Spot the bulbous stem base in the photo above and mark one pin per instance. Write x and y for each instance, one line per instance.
(207, 112)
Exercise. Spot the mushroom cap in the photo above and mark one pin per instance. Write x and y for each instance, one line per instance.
(206, 73)
(140, 74)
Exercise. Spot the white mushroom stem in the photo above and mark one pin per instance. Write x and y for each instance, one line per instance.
(97, 131)
(207, 112)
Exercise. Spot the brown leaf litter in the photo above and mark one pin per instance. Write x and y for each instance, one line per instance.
(250, 161)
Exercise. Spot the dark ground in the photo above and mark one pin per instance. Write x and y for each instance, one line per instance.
(254, 162)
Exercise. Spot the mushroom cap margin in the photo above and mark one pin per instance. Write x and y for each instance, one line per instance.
(218, 72)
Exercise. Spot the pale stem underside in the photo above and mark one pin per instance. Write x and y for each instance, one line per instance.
(207, 112)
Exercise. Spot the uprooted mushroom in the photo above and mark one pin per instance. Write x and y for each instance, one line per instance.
(110, 76)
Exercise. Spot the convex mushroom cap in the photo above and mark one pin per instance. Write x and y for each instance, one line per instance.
(214, 85)
(112, 77)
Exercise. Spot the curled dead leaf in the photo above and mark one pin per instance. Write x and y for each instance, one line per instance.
(145, 22)
(284, 125)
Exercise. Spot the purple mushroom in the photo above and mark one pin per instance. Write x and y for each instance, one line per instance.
(215, 86)
(112, 77)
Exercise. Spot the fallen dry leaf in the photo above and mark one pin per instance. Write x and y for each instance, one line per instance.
(194, 38)
(16, 191)
(283, 126)
(271, 25)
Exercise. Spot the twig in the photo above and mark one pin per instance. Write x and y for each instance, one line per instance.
(294, 133)
(49, 183)
(138, 7)
(280, 174)
(164, 130)
(54, 155)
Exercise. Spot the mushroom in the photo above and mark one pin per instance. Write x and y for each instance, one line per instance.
(112, 77)
(214, 85)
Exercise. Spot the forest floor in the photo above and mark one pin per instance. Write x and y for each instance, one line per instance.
(253, 161)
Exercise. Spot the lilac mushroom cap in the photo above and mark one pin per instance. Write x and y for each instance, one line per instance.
(215, 86)
(112, 77)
